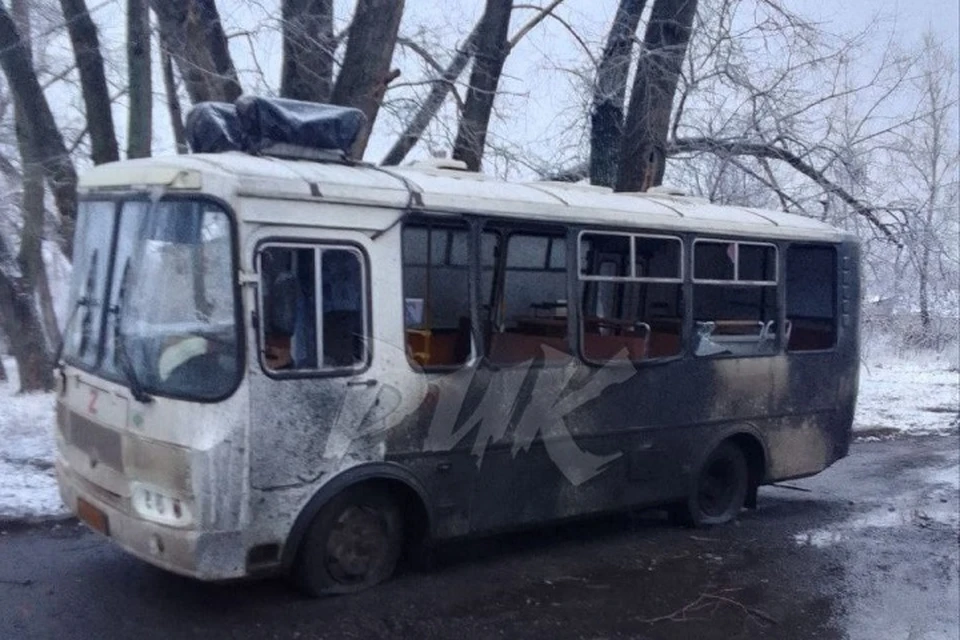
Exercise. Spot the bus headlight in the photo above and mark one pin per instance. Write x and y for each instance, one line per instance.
(151, 503)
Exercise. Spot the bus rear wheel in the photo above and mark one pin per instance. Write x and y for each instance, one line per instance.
(353, 543)
(720, 489)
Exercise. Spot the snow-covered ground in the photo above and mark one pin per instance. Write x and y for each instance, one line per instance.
(27, 485)
(919, 394)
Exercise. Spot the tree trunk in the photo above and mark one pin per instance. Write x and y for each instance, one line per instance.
(22, 325)
(438, 94)
(192, 34)
(39, 125)
(308, 50)
(924, 292)
(443, 85)
(491, 51)
(173, 103)
(365, 72)
(643, 144)
(48, 312)
(93, 81)
(609, 91)
(139, 79)
(32, 279)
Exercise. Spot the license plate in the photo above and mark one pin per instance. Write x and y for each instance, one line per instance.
(93, 517)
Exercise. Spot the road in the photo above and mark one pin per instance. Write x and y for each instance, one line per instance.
(867, 549)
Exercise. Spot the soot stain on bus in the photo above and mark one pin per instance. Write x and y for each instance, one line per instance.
(453, 368)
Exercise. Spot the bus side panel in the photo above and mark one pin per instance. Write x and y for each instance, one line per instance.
(818, 406)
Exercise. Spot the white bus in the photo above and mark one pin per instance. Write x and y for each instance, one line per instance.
(304, 367)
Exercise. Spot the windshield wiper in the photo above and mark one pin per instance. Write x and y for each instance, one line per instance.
(120, 342)
(82, 301)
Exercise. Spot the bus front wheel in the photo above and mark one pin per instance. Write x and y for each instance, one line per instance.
(352, 544)
(720, 488)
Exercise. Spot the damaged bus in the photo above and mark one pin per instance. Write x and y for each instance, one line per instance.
(281, 361)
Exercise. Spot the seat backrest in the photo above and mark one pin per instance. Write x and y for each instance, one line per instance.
(510, 347)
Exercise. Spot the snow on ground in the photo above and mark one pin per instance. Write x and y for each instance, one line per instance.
(909, 396)
(27, 484)
(916, 395)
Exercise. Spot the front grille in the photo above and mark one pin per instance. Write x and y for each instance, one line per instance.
(102, 445)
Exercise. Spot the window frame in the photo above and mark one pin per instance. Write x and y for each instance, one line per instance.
(119, 197)
(633, 257)
(504, 229)
(317, 245)
(777, 284)
(837, 295)
(581, 279)
(448, 224)
(735, 281)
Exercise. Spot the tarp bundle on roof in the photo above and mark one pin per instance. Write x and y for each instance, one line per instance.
(213, 127)
(266, 125)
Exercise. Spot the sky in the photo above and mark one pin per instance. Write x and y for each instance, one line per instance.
(541, 111)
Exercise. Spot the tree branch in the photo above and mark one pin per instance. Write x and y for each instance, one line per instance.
(765, 150)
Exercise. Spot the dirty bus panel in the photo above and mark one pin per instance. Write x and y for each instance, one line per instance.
(332, 365)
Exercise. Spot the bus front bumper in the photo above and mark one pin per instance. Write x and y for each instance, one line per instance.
(212, 555)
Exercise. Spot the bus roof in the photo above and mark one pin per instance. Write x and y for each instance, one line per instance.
(440, 190)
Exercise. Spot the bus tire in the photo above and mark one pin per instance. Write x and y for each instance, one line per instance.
(719, 491)
(352, 544)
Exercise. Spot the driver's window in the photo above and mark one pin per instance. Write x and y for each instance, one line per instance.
(312, 301)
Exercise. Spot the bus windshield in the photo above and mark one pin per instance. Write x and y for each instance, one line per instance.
(153, 302)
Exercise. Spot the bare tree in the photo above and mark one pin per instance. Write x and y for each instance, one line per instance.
(192, 34)
(365, 72)
(428, 109)
(38, 123)
(23, 325)
(491, 51)
(173, 103)
(643, 144)
(308, 50)
(93, 81)
(606, 118)
(925, 157)
(139, 80)
(23, 279)
(442, 84)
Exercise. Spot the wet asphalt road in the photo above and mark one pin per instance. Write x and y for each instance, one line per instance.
(870, 551)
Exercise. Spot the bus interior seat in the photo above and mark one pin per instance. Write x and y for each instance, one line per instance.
(601, 347)
(811, 334)
(440, 346)
(511, 347)
(663, 343)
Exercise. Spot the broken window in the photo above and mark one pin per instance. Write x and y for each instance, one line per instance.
(735, 298)
(530, 319)
(313, 315)
(632, 296)
(436, 286)
(811, 297)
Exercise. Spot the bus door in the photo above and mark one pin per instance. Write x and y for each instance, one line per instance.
(441, 355)
(528, 456)
(312, 389)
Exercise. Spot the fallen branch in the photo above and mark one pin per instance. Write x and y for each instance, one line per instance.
(712, 601)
